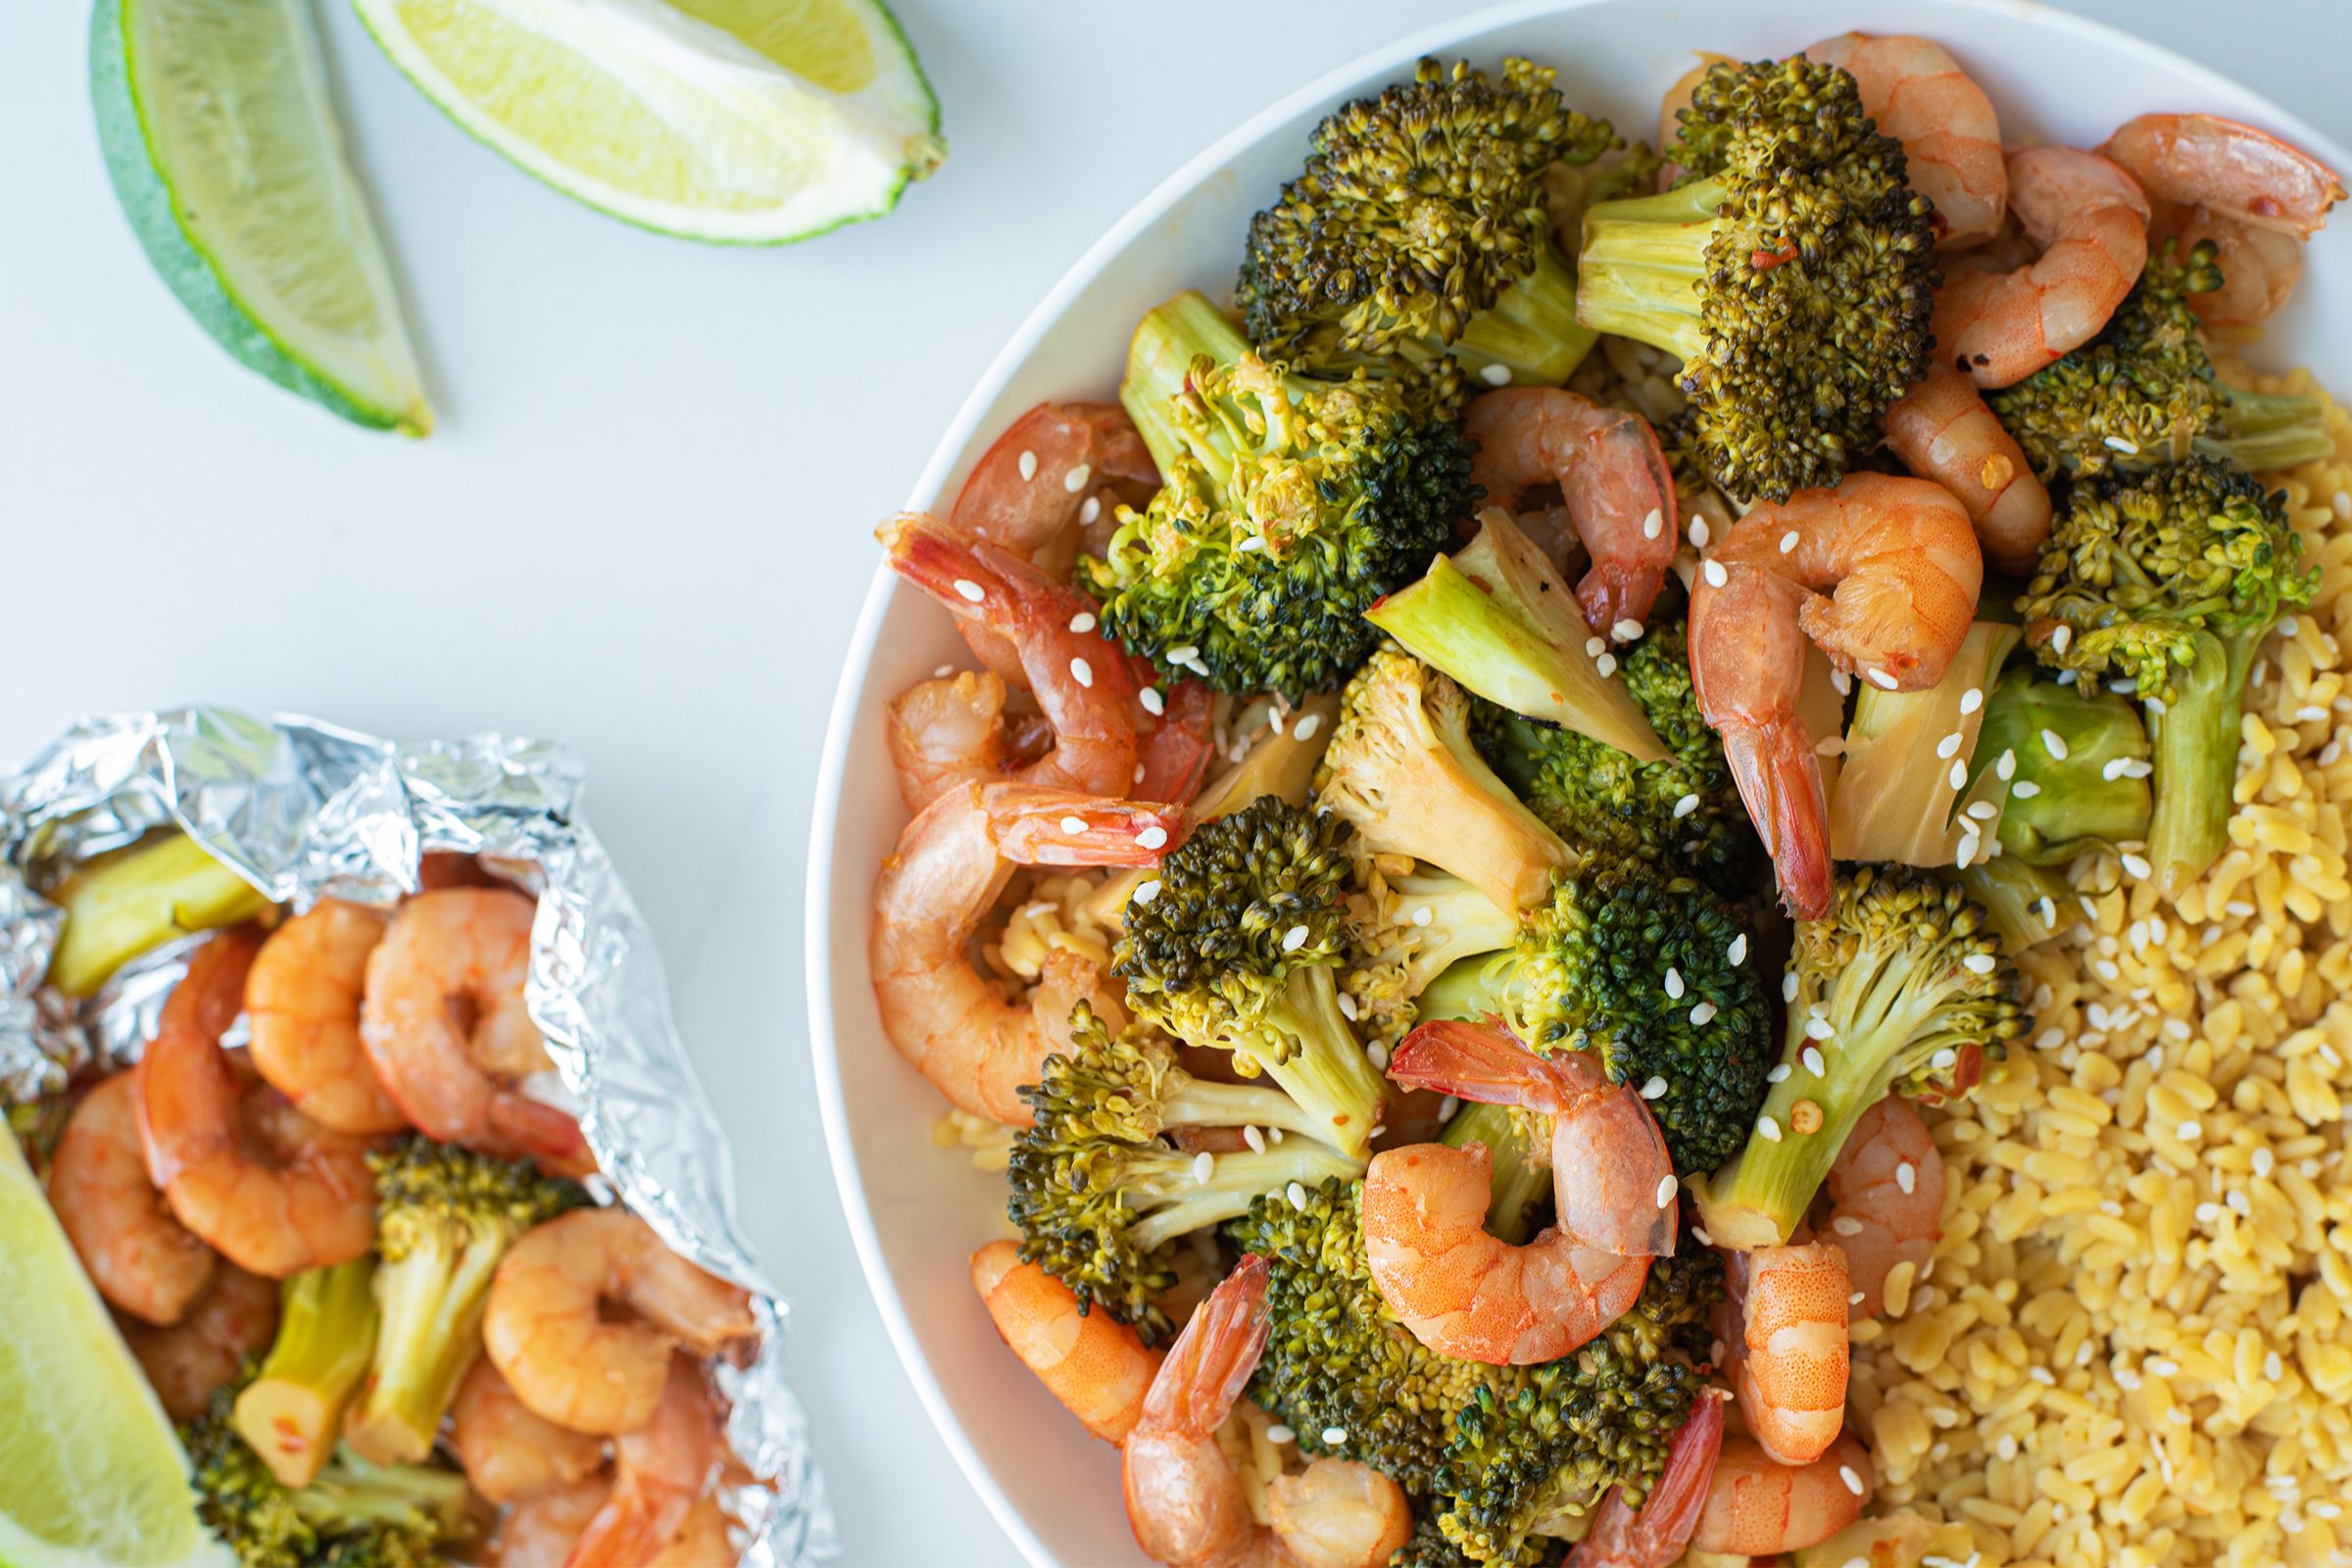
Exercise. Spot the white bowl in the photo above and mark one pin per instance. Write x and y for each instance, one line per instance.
(917, 1212)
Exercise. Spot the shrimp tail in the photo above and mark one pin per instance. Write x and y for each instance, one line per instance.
(1482, 1062)
(1176, 757)
(1619, 587)
(1656, 1534)
(1031, 825)
(1212, 1359)
(1779, 779)
(547, 1134)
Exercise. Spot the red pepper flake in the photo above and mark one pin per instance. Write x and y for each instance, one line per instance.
(1766, 260)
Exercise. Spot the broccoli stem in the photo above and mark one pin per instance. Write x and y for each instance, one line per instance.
(2194, 738)
(1466, 990)
(1643, 259)
(2013, 894)
(134, 900)
(1159, 371)
(291, 1411)
(1236, 1180)
(1522, 1178)
(431, 1300)
(1212, 1105)
(1531, 330)
(1325, 1071)
(2264, 431)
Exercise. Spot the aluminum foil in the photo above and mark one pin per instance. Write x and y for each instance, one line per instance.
(306, 810)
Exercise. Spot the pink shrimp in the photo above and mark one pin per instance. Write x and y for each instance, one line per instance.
(1030, 491)
(2259, 265)
(1655, 1535)
(233, 1322)
(660, 1472)
(1185, 1504)
(448, 1033)
(1902, 561)
(1885, 1195)
(506, 1449)
(2229, 168)
(142, 1259)
(302, 1002)
(1788, 1359)
(953, 1025)
(2090, 220)
(947, 732)
(1951, 137)
(1097, 1367)
(1942, 431)
(1612, 477)
(539, 1530)
(1757, 1506)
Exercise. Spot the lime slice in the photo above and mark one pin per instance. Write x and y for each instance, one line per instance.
(225, 152)
(89, 1470)
(744, 121)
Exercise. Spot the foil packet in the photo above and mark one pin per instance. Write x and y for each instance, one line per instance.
(305, 810)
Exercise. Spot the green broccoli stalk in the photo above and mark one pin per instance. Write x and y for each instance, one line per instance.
(1286, 506)
(352, 1515)
(1792, 273)
(1238, 945)
(1101, 1190)
(1419, 229)
(2171, 579)
(134, 900)
(1499, 619)
(2086, 788)
(445, 1216)
(1653, 976)
(1900, 987)
(1519, 1184)
(2143, 391)
(1403, 932)
(1403, 769)
(292, 1410)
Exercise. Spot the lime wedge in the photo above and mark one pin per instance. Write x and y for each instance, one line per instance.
(225, 155)
(743, 121)
(89, 1470)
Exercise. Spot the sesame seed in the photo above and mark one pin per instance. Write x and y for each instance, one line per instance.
(942, 673)
(1959, 775)
(1298, 1197)
(2263, 1164)
(1248, 543)
(2120, 444)
(2310, 714)
(1737, 953)
(2025, 789)
(2007, 1447)
(2004, 766)
(1880, 678)
(1980, 963)
(1306, 726)
(1852, 1480)
(1082, 622)
(1090, 512)
(1674, 983)
(1653, 1089)
(1335, 1434)
(1704, 1240)
(1378, 1056)
(1625, 632)
(1495, 375)
(1204, 1165)
(2049, 911)
(1139, 773)
(2055, 744)
(1294, 938)
(1082, 672)
(1846, 1225)
(1349, 1008)
(1779, 1073)
(1831, 746)
(1447, 1106)
(1906, 1176)
(1842, 682)
(1685, 807)
(1983, 811)
(1595, 647)
(1280, 1432)
(2163, 1366)
(1945, 747)
(1812, 1058)
(1152, 701)
(1787, 541)
(1819, 1029)
(1254, 1139)
(1028, 465)
(1654, 524)
(1715, 574)
(1856, 1299)
(2061, 638)
(1146, 892)
(1972, 699)
(1702, 1014)
(1423, 916)
(1789, 986)
(2289, 626)
(1606, 663)
(1151, 837)
(970, 589)
(1945, 1059)
(1073, 825)
(2114, 767)
(1768, 1129)
(1183, 654)
(2138, 866)
(1075, 480)
(1666, 1191)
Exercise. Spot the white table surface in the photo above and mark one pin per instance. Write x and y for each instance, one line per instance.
(644, 523)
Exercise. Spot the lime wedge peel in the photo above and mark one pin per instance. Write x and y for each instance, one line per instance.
(737, 121)
(221, 137)
(90, 1469)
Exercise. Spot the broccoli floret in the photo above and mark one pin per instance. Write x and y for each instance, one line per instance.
(2087, 787)
(1681, 814)
(2171, 579)
(1405, 931)
(1238, 945)
(1419, 228)
(134, 900)
(352, 1515)
(1900, 987)
(1403, 769)
(1792, 271)
(1519, 1180)
(445, 1216)
(1494, 1451)
(2143, 391)
(2025, 903)
(1650, 973)
(292, 1410)
(1101, 1193)
(1287, 506)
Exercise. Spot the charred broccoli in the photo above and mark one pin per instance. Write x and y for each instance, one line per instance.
(1101, 1192)
(2143, 391)
(1901, 987)
(1418, 229)
(2171, 579)
(1287, 506)
(1237, 943)
(1791, 270)
(2076, 765)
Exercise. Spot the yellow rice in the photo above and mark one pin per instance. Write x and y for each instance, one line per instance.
(2134, 1345)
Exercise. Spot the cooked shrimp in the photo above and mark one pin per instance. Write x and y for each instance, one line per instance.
(445, 1029)
(508, 1450)
(141, 1259)
(2259, 267)
(1885, 1201)
(1951, 137)
(1904, 567)
(1942, 431)
(1098, 1368)
(1087, 687)
(1757, 1507)
(2240, 173)
(302, 1001)
(1185, 1504)
(1613, 479)
(208, 1349)
(953, 1025)
(1670, 115)
(267, 1187)
(1612, 1175)
(1467, 1294)
(1029, 492)
(540, 1530)
(1789, 1361)
(703, 1540)
(1654, 1536)
(660, 1472)
(585, 1310)
(947, 732)
(2092, 222)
